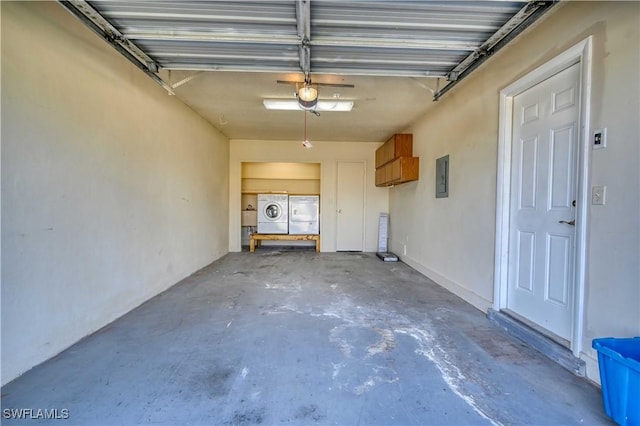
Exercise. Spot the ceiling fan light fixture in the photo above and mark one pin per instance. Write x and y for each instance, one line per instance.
(307, 105)
(308, 93)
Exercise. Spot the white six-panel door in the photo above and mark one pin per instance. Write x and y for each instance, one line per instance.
(542, 211)
(350, 206)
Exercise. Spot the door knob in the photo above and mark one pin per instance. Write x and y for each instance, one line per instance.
(572, 222)
(339, 210)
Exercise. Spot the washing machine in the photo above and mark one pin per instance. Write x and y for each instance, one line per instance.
(273, 214)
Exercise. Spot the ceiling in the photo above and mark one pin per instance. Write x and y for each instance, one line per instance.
(223, 57)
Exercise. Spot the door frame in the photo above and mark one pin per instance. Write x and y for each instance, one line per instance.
(580, 53)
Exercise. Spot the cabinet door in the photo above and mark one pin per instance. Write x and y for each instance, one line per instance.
(387, 152)
(400, 170)
(388, 173)
(396, 170)
(409, 169)
(380, 156)
(380, 176)
(405, 169)
(402, 145)
(399, 145)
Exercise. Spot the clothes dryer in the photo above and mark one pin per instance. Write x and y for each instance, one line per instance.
(304, 217)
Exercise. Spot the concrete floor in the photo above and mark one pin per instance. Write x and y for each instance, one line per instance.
(296, 337)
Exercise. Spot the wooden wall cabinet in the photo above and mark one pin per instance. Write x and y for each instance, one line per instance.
(399, 145)
(394, 161)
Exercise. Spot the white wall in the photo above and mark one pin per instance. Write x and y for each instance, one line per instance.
(112, 190)
(328, 154)
(452, 239)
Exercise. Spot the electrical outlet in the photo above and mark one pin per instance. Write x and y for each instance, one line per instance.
(598, 194)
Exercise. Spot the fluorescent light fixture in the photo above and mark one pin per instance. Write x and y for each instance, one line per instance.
(322, 106)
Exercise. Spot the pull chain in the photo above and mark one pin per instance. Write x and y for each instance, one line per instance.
(305, 142)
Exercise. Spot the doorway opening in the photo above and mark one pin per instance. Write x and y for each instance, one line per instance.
(273, 178)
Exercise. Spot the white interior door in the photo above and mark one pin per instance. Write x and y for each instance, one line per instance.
(542, 209)
(350, 206)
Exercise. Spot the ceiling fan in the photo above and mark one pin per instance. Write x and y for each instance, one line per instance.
(306, 98)
(307, 91)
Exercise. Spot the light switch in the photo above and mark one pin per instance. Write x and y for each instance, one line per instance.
(598, 195)
(600, 139)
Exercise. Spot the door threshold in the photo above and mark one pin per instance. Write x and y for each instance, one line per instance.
(538, 329)
(553, 348)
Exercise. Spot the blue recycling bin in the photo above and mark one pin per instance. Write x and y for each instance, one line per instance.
(619, 364)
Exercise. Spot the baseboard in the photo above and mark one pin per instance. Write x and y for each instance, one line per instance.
(469, 296)
(538, 341)
(593, 371)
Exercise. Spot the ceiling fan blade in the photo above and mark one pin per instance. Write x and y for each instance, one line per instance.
(289, 82)
(335, 84)
(317, 84)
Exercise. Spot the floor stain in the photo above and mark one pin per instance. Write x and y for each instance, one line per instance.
(386, 343)
(310, 411)
(251, 417)
(214, 383)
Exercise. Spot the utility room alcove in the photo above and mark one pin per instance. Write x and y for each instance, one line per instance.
(275, 178)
